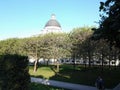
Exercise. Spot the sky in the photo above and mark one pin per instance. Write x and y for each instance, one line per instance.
(25, 18)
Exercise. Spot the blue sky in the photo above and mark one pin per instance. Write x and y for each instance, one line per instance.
(22, 18)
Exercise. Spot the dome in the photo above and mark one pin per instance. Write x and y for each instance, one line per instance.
(52, 22)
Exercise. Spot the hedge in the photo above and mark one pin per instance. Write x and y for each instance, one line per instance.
(14, 72)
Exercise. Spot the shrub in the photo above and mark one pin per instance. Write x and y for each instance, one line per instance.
(14, 72)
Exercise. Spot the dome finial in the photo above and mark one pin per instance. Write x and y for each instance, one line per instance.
(53, 16)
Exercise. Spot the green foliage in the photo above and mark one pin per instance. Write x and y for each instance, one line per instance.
(46, 46)
(14, 72)
(109, 28)
(82, 45)
(76, 45)
(55, 45)
(12, 46)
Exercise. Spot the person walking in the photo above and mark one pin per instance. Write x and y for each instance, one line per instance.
(99, 83)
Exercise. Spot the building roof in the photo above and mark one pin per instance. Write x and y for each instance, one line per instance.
(53, 22)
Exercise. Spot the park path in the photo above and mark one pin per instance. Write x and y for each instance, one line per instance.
(60, 84)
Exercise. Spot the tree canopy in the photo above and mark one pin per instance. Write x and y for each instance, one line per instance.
(76, 45)
(109, 28)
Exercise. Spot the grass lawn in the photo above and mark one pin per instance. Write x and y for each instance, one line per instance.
(81, 75)
(43, 72)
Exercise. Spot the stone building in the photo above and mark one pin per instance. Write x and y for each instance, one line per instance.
(52, 26)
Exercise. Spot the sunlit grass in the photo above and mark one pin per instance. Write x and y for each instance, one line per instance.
(44, 72)
(81, 75)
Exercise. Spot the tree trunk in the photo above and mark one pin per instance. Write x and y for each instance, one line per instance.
(109, 61)
(89, 56)
(102, 58)
(36, 61)
(47, 62)
(74, 62)
(89, 52)
(85, 64)
(84, 61)
(58, 66)
(35, 66)
(115, 59)
(110, 58)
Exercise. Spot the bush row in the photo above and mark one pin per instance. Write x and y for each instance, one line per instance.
(14, 72)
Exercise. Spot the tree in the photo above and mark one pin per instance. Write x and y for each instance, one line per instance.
(102, 51)
(12, 46)
(109, 28)
(81, 43)
(31, 45)
(89, 48)
(55, 46)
